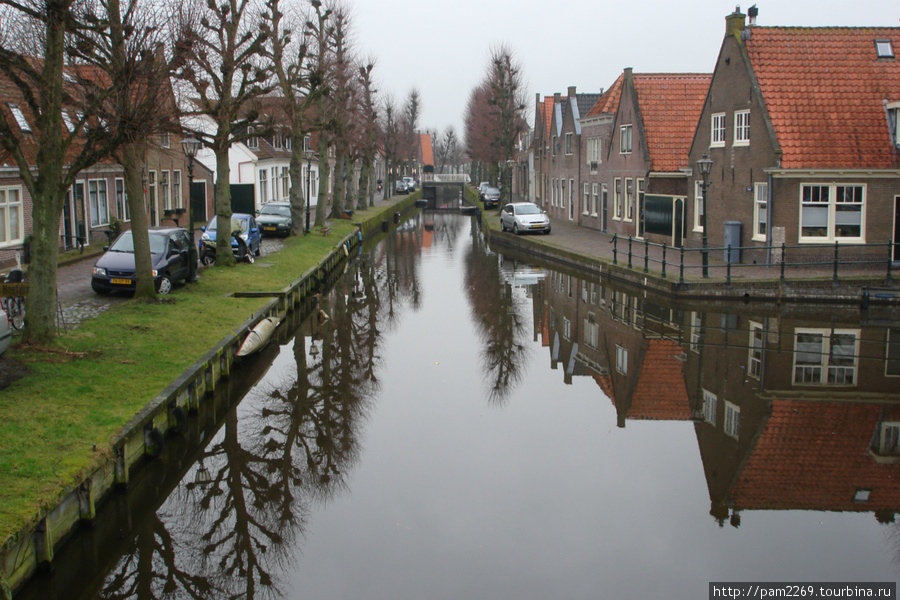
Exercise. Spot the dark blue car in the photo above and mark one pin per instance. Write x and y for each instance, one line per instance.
(169, 249)
(242, 222)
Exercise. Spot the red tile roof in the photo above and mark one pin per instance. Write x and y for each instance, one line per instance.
(427, 153)
(813, 455)
(670, 107)
(660, 393)
(824, 89)
(547, 108)
(609, 101)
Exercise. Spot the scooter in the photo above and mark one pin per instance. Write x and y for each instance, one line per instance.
(241, 250)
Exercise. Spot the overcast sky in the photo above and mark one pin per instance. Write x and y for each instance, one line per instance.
(441, 47)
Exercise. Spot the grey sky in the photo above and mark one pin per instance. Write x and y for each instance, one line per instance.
(442, 47)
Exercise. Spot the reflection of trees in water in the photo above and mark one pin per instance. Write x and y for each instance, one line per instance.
(227, 530)
(500, 319)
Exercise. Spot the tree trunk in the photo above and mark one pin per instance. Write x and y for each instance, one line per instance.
(224, 255)
(297, 194)
(130, 156)
(340, 183)
(324, 173)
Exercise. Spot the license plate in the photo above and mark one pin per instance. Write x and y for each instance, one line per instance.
(268, 229)
(536, 226)
(120, 281)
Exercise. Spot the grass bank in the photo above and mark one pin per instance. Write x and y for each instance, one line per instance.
(58, 420)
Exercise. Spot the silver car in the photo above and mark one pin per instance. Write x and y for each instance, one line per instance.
(522, 217)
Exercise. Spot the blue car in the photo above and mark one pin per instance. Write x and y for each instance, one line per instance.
(242, 222)
(168, 252)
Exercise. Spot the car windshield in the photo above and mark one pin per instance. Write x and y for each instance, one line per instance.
(125, 243)
(276, 209)
(528, 209)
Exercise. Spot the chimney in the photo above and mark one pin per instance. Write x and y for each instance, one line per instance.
(571, 91)
(557, 98)
(752, 12)
(735, 23)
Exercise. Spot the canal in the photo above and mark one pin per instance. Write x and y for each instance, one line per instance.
(455, 423)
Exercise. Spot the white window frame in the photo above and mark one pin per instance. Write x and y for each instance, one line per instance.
(595, 199)
(164, 190)
(695, 330)
(164, 140)
(760, 211)
(710, 405)
(889, 438)
(717, 128)
(263, 186)
(98, 201)
(562, 192)
(754, 349)
(177, 199)
(629, 199)
(570, 144)
(884, 49)
(591, 331)
(121, 200)
(626, 139)
(566, 328)
(285, 182)
(742, 127)
(621, 360)
(151, 190)
(732, 424)
(19, 116)
(586, 204)
(699, 206)
(817, 367)
(835, 190)
(11, 234)
(617, 199)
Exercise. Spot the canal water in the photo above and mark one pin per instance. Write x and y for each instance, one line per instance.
(455, 423)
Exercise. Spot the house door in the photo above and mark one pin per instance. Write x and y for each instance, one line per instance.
(678, 223)
(604, 197)
(198, 201)
(896, 252)
(640, 215)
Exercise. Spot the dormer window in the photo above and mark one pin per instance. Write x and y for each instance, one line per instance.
(893, 116)
(884, 49)
(253, 142)
(19, 116)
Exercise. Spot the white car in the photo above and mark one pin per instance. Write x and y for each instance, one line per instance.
(522, 217)
(5, 332)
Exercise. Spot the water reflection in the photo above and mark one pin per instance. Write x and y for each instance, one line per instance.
(792, 409)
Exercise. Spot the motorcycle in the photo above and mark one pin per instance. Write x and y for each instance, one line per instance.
(241, 250)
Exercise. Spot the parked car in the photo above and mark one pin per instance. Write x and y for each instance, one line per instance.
(410, 184)
(169, 249)
(522, 217)
(491, 197)
(401, 187)
(242, 222)
(274, 218)
(484, 185)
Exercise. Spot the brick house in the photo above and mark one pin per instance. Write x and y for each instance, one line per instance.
(596, 130)
(543, 114)
(800, 123)
(647, 153)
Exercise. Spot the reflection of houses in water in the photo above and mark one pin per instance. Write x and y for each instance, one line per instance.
(791, 412)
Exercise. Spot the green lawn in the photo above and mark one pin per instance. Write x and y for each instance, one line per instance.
(83, 390)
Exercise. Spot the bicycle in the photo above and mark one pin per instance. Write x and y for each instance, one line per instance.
(14, 306)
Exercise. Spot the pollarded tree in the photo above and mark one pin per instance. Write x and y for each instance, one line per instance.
(221, 57)
(46, 56)
(369, 135)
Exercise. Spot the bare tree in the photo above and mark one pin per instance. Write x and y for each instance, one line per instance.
(409, 125)
(369, 127)
(221, 49)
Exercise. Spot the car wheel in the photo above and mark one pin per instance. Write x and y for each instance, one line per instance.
(249, 257)
(547, 231)
(164, 285)
(516, 229)
(207, 259)
(502, 225)
(258, 251)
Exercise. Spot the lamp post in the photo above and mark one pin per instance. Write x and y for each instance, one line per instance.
(190, 147)
(309, 156)
(704, 165)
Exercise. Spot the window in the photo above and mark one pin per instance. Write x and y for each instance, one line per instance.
(151, 190)
(640, 199)
(70, 126)
(709, 407)
(593, 153)
(760, 211)
(754, 350)
(570, 143)
(699, 206)
(629, 199)
(571, 196)
(825, 356)
(277, 141)
(892, 353)
(307, 143)
(164, 190)
(593, 199)
(621, 360)
(617, 199)
(586, 201)
(554, 145)
(717, 135)
(591, 331)
(121, 200)
(567, 328)
(562, 193)
(288, 143)
(164, 141)
(889, 438)
(832, 212)
(99, 204)
(884, 49)
(625, 139)
(177, 200)
(20, 118)
(263, 186)
(742, 128)
(253, 142)
(696, 329)
(12, 223)
(274, 180)
(285, 183)
(732, 419)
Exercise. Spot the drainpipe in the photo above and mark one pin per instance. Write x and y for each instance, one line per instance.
(769, 211)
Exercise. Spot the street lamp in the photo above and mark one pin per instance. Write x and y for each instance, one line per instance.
(190, 147)
(309, 157)
(704, 165)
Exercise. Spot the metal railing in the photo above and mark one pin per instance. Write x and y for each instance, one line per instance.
(814, 260)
